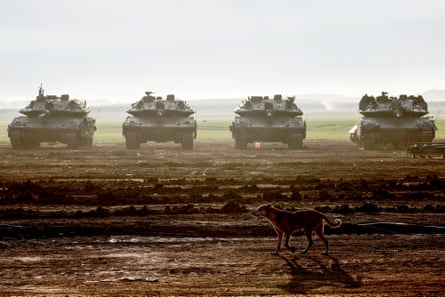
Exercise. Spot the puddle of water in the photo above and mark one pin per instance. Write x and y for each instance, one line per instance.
(156, 239)
(28, 259)
(399, 224)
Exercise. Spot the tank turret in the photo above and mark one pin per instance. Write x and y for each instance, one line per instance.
(261, 118)
(150, 105)
(396, 121)
(160, 120)
(51, 118)
(384, 106)
(55, 105)
(264, 106)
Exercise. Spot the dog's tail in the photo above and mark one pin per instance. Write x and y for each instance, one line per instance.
(331, 224)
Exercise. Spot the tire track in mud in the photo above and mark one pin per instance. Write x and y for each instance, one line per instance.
(176, 227)
(103, 221)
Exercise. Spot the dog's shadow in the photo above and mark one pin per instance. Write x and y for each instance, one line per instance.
(321, 273)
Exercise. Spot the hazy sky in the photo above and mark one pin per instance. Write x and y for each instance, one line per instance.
(116, 50)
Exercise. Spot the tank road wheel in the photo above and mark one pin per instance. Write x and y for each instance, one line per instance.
(31, 144)
(240, 142)
(295, 141)
(396, 145)
(187, 141)
(16, 140)
(19, 141)
(72, 140)
(131, 141)
(85, 139)
(368, 141)
(87, 142)
(90, 142)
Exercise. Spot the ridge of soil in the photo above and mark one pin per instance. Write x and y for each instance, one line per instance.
(166, 221)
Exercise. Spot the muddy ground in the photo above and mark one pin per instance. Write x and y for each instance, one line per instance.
(163, 221)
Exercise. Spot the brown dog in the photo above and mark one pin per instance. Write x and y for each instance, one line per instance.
(288, 222)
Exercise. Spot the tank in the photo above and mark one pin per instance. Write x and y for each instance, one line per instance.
(160, 120)
(392, 122)
(52, 119)
(268, 120)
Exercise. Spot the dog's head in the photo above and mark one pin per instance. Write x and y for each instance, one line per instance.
(261, 210)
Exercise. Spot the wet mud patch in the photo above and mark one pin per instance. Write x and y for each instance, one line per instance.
(160, 221)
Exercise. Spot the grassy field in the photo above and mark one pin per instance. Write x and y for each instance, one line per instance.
(208, 130)
(218, 130)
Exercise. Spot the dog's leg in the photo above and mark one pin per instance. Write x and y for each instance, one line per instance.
(308, 232)
(280, 236)
(319, 230)
(286, 243)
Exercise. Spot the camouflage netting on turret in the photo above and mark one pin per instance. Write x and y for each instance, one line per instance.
(277, 105)
(151, 105)
(403, 106)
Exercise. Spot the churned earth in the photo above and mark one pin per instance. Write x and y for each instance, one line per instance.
(164, 221)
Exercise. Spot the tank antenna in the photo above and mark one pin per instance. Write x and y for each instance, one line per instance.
(41, 91)
(97, 113)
